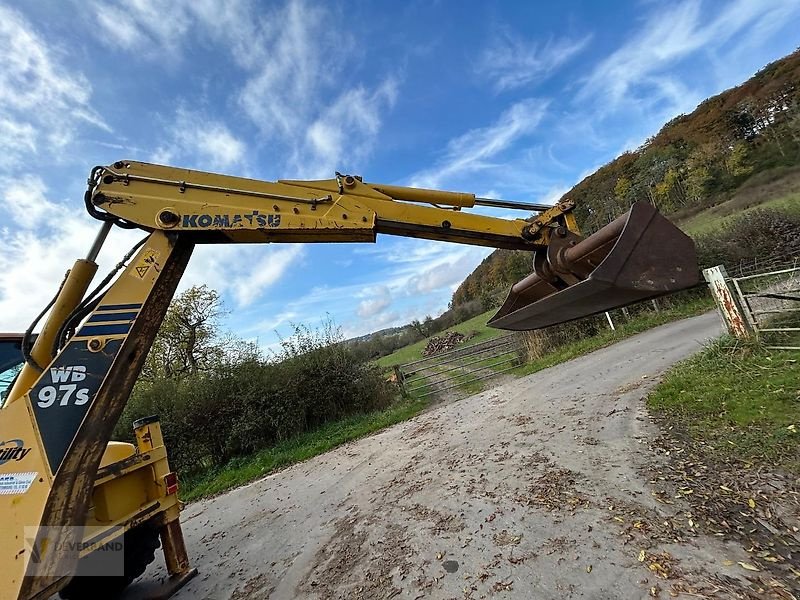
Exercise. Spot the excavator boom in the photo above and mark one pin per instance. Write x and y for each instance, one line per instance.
(81, 369)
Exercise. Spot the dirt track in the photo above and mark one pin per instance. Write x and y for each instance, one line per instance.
(534, 489)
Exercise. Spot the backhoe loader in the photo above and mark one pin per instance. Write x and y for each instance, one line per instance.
(67, 493)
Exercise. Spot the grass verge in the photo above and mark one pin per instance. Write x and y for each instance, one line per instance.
(741, 401)
(623, 330)
(244, 470)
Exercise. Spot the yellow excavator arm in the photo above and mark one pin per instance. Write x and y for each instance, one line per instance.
(81, 369)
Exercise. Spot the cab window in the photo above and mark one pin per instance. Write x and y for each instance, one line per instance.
(11, 361)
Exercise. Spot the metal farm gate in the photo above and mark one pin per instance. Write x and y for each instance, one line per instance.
(765, 304)
(462, 367)
(771, 304)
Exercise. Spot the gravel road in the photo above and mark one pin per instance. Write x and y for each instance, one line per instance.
(538, 488)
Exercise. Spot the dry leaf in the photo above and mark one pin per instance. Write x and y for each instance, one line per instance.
(751, 503)
(642, 555)
(748, 566)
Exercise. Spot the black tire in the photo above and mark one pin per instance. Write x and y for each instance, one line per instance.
(141, 544)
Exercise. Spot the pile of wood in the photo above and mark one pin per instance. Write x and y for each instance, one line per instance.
(442, 343)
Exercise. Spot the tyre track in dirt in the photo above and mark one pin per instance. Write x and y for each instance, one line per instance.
(534, 489)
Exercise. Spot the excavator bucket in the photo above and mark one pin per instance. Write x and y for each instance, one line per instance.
(638, 256)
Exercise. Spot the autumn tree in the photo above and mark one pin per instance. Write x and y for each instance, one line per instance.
(188, 341)
(622, 189)
(737, 162)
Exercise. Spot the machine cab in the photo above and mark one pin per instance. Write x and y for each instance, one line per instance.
(11, 361)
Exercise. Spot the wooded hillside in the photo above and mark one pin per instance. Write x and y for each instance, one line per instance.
(695, 161)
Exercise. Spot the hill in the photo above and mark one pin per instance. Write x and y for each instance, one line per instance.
(749, 134)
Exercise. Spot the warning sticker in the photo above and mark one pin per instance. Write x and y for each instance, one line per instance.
(16, 483)
(148, 259)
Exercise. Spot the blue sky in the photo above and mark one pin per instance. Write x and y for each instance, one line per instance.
(517, 100)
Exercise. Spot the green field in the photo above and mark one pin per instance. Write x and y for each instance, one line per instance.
(717, 216)
(740, 400)
(414, 351)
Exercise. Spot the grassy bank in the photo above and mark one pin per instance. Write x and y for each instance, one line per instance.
(244, 470)
(722, 214)
(623, 330)
(740, 401)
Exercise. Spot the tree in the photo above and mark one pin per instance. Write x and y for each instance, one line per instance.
(737, 162)
(622, 189)
(428, 326)
(698, 182)
(418, 327)
(187, 342)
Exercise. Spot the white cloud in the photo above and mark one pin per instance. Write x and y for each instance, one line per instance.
(295, 95)
(344, 133)
(447, 271)
(41, 102)
(42, 238)
(303, 58)
(511, 62)
(636, 71)
(197, 137)
(154, 28)
(417, 278)
(242, 272)
(254, 278)
(377, 301)
(46, 238)
(474, 150)
(293, 62)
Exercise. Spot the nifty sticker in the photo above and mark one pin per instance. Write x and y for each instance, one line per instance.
(16, 483)
(13, 450)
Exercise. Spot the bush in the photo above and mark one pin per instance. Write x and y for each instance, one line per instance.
(240, 407)
(544, 341)
(765, 234)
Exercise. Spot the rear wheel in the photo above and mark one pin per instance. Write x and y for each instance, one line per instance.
(140, 543)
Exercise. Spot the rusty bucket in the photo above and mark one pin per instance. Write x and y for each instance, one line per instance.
(638, 256)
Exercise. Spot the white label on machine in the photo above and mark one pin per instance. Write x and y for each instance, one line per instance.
(16, 483)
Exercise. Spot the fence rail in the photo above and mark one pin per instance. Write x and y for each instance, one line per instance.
(462, 367)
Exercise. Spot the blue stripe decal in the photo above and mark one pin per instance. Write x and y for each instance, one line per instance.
(104, 329)
(106, 317)
(119, 307)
